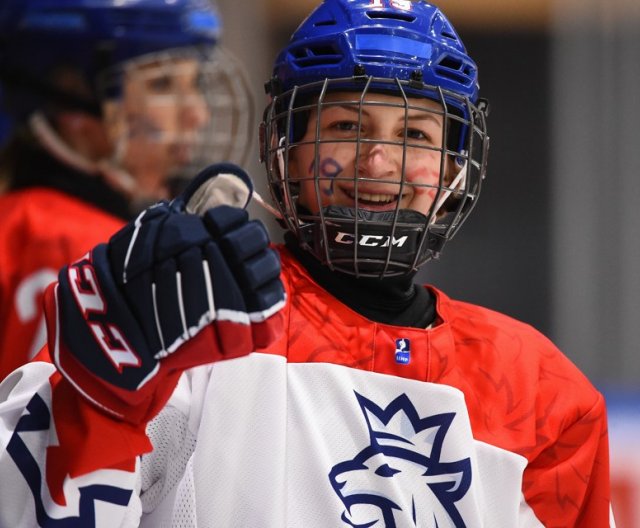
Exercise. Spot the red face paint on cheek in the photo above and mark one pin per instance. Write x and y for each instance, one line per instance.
(424, 181)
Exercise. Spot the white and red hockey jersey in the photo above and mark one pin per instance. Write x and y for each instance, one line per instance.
(478, 421)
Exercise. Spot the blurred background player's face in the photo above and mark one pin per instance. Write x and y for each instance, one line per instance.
(378, 164)
(158, 123)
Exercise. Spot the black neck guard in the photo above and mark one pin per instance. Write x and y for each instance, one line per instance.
(393, 300)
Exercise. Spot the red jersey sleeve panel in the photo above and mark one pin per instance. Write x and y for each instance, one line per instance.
(522, 394)
(525, 396)
(41, 230)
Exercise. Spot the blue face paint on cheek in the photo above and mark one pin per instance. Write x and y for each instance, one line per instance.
(144, 128)
(329, 168)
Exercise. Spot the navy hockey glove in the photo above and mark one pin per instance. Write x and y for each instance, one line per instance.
(189, 282)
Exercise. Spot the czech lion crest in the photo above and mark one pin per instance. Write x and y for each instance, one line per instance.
(400, 478)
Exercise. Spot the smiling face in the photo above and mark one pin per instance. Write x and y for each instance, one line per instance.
(369, 174)
(373, 176)
(157, 123)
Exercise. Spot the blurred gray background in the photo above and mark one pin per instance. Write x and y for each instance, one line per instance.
(554, 239)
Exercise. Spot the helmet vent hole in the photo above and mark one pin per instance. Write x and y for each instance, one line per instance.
(442, 27)
(305, 56)
(455, 69)
(451, 63)
(404, 17)
(325, 23)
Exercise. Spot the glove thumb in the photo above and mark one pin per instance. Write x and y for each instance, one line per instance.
(218, 184)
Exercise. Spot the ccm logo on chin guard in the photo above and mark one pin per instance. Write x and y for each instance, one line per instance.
(370, 240)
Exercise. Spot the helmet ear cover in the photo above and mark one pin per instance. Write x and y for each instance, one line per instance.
(64, 88)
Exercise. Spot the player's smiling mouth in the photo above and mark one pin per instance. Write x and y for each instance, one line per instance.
(373, 200)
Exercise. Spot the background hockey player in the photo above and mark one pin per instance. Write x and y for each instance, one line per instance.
(113, 104)
(314, 384)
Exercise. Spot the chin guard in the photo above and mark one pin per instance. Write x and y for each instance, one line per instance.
(360, 242)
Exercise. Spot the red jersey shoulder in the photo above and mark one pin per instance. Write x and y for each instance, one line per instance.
(41, 215)
(516, 381)
(498, 338)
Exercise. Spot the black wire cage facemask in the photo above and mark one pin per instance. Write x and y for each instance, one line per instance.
(367, 233)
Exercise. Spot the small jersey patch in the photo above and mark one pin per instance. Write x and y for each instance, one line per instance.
(403, 351)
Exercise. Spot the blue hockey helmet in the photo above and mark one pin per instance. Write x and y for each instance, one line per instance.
(406, 48)
(393, 39)
(90, 36)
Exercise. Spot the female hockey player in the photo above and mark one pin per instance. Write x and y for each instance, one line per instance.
(112, 104)
(314, 384)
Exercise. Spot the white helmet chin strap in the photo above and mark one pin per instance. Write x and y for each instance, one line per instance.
(266, 205)
(458, 183)
(116, 177)
(261, 201)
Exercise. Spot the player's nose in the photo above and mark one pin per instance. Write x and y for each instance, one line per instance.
(379, 160)
(194, 112)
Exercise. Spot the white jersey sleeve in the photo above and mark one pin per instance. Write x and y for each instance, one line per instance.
(42, 492)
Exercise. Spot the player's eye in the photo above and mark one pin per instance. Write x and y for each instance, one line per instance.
(160, 84)
(417, 134)
(345, 126)
(386, 471)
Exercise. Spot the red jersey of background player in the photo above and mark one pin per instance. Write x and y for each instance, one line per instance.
(41, 230)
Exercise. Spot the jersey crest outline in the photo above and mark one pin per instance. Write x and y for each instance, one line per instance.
(405, 453)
